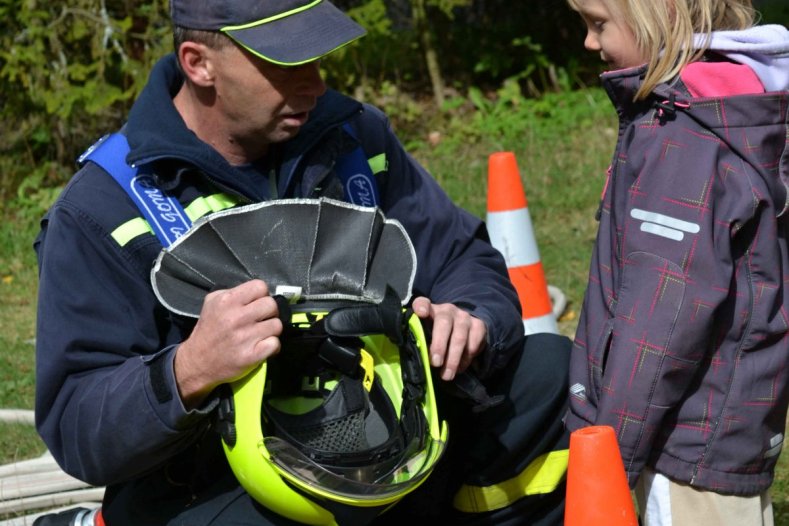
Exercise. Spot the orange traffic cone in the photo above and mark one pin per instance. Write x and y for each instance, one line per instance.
(510, 229)
(597, 490)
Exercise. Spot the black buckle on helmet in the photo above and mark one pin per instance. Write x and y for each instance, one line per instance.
(343, 355)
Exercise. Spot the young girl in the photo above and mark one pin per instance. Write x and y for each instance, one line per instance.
(683, 341)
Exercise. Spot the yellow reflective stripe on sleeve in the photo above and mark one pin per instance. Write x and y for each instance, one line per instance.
(196, 209)
(211, 203)
(543, 475)
(378, 163)
(131, 229)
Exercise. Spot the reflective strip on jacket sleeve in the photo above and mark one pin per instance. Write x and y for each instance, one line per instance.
(543, 475)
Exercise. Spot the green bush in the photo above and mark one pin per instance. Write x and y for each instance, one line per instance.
(70, 72)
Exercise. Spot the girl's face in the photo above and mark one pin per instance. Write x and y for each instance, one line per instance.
(609, 35)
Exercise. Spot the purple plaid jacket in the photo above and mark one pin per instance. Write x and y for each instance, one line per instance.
(683, 340)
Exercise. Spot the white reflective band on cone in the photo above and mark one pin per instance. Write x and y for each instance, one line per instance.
(545, 323)
(511, 234)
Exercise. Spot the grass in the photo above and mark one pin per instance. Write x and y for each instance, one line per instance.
(562, 166)
(18, 280)
(562, 144)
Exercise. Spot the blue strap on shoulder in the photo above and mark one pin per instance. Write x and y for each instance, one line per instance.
(358, 181)
(165, 215)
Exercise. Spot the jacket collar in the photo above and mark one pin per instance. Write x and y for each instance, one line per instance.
(621, 86)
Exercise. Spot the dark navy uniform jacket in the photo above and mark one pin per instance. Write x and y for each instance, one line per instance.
(106, 403)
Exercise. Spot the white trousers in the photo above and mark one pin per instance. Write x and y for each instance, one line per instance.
(664, 502)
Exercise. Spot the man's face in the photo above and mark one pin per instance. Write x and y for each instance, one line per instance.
(261, 101)
(608, 35)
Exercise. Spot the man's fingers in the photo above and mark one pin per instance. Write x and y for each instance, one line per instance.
(439, 339)
(476, 343)
(458, 343)
(267, 347)
(242, 305)
(251, 291)
(422, 307)
(242, 294)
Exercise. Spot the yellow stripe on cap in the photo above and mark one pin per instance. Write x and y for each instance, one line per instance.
(272, 18)
(230, 32)
(542, 475)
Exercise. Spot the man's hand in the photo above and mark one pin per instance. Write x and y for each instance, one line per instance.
(457, 338)
(238, 328)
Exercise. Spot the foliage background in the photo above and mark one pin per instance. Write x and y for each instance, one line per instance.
(511, 75)
(69, 71)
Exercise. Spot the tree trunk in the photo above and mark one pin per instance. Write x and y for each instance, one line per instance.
(428, 48)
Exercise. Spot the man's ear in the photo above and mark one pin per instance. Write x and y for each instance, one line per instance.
(196, 63)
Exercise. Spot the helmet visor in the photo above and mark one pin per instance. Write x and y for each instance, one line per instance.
(375, 481)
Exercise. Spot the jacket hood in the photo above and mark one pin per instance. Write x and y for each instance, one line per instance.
(761, 117)
(765, 49)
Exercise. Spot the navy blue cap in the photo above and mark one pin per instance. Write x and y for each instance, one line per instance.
(288, 32)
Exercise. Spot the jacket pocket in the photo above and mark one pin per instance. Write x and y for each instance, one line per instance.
(652, 362)
(599, 360)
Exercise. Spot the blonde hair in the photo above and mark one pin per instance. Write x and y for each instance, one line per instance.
(664, 30)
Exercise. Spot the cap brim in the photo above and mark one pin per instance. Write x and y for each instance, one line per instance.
(299, 38)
